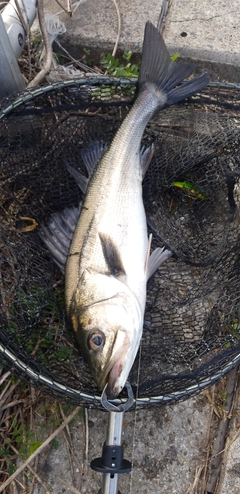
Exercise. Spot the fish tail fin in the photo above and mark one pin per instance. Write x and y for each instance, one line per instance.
(158, 68)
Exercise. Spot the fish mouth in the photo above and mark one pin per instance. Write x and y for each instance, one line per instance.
(116, 377)
(113, 387)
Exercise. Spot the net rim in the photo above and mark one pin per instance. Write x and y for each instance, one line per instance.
(164, 399)
(29, 94)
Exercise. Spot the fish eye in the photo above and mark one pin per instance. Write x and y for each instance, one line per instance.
(96, 340)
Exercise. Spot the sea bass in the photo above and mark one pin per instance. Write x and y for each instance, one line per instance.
(109, 260)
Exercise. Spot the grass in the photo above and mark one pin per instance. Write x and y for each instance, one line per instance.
(27, 418)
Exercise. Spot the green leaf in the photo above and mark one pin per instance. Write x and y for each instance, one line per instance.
(55, 444)
(19, 439)
(4, 452)
(33, 447)
(14, 422)
(11, 468)
(175, 57)
(127, 55)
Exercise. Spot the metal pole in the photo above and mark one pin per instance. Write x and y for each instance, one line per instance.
(114, 438)
(111, 463)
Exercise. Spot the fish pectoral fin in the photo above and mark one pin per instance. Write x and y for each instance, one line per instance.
(58, 233)
(157, 257)
(111, 255)
(91, 157)
(146, 155)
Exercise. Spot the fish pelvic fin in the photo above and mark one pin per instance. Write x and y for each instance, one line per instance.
(158, 68)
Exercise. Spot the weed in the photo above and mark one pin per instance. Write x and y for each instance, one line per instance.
(233, 329)
(24, 441)
(86, 57)
(43, 314)
(112, 65)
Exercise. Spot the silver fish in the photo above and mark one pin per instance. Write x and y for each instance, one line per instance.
(109, 260)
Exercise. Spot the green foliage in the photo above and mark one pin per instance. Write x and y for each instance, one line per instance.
(33, 447)
(87, 51)
(86, 59)
(234, 328)
(11, 468)
(55, 443)
(175, 57)
(45, 314)
(112, 65)
(23, 439)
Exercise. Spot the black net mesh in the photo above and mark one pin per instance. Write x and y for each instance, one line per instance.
(191, 195)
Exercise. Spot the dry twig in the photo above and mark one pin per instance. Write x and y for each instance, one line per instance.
(119, 28)
(40, 449)
(219, 443)
(48, 48)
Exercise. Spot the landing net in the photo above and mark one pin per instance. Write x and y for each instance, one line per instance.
(191, 195)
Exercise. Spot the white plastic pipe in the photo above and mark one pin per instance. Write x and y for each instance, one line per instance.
(11, 80)
(15, 23)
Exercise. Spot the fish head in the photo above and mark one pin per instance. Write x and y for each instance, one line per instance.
(108, 331)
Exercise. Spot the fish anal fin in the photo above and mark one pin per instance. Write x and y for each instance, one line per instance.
(81, 180)
(91, 157)
(146, 155)
(157, 257)
(111, 255)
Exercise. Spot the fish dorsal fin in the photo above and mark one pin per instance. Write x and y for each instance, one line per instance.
(111, 255)
(91, 157)
(146, 155)
(157, 257)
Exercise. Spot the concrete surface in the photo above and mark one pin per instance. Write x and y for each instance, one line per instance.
(230, 474)
(164, 445)
(206, 31)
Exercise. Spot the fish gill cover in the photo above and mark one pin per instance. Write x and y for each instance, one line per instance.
(191, 196)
